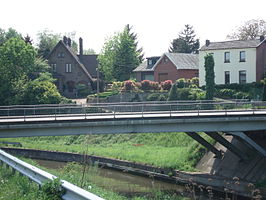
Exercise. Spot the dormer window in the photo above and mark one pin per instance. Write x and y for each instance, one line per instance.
(165, 59)
(61, 55)
(242, 56)
(149, 62)
(227, 57)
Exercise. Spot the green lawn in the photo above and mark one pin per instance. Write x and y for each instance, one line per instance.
(171, 150)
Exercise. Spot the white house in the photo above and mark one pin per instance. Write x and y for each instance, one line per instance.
(238, 61)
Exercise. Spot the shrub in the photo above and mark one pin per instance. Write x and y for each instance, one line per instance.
(183, 94)
(162, 97)
(166, 85)
(117, 85)
(173, 93)
(129, 85)
(155, 86)
(146, 85)
(83, 90)
(195, 81)
(181, 83)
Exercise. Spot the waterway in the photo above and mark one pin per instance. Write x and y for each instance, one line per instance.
(123, 183)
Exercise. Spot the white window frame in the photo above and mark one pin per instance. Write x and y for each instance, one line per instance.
(68, 68)
(53, 66)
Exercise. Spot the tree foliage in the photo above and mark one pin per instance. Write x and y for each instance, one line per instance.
(119, 56)
(251, 29)
(6, 35)
(46, 42)
(186, 42)
(173, 93)
(209, 76)
(20, 79)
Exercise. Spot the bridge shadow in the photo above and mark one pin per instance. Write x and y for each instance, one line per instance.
(253, 169)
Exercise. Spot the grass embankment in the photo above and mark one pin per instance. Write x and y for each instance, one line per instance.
(168, 150)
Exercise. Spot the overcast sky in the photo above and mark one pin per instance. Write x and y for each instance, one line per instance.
(157, 22)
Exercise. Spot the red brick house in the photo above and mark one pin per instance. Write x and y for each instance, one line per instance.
(170, 66)
(71, 69)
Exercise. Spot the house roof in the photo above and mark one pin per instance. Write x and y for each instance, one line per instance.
(74, 56)
(90, 62)
(182, 60)
(233, 44)
(143, 67)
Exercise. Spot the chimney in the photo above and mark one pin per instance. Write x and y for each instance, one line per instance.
(80, 46)
(207, 43)
(69, 42)
(65, 40)
(262, 38)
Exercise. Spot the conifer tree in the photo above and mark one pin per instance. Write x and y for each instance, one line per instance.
(173, 93)
(209, 76)
(186, 42)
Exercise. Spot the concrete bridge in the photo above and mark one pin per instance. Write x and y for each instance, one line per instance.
(232, 117)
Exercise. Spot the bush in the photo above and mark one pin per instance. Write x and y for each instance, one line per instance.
(183, 94)
(83, 90)
(173, 93)
(181, 83)
(129, 85)
(156, 97)
(166, 85)
(147, 85)
(117, 85)
(195, 81)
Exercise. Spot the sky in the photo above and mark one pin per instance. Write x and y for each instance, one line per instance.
(157, 22)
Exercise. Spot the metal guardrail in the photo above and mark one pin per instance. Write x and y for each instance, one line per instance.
(39, 176)
(128, 108)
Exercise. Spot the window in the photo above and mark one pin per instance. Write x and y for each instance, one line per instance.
(242, 56)
(68, 68)
(226, 77)
(227, 57)
(149, 62)
(242, 76)
(53, 66)
(61, 55)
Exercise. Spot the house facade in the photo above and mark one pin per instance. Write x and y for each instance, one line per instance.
(71, 69)
(170, 66)
(235, 61)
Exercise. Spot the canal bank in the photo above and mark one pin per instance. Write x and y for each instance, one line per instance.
(197, 179)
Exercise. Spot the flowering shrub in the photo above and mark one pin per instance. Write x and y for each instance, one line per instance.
(129, 85)
(166, 85)
(146, 85)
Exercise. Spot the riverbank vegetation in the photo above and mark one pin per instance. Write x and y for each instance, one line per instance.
(167, 150)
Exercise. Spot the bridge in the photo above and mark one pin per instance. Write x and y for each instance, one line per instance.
(212, 117)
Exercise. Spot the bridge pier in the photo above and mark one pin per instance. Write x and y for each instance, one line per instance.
(217, 137)
(202, 141)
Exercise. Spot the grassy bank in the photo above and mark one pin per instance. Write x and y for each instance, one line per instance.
(171, 150)
(16, 187)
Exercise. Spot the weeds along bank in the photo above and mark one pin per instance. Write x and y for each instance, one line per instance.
(167, 150)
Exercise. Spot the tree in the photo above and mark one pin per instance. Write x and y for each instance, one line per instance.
(119, 56)
(186, 42)
(46, 42)
(134, 37)
(28, 39)
(209, 76)
(250, 30)
(6, 35)
(173, 93)
(89, 51)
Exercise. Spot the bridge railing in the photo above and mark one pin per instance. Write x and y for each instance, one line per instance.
(115, 109)
(40, 177)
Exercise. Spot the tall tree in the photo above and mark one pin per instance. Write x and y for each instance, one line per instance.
(209, 76)
(186, 42)
(46, 42)
(250, 30)
(6, 35)
(119, 57)
(134, 37)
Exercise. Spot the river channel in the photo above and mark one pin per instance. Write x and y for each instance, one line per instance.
(123, 183)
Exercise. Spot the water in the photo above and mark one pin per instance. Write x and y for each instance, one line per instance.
(121, 182)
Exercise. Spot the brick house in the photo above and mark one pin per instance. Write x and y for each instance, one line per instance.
(71, 69)
(170, 66)
(237, 61)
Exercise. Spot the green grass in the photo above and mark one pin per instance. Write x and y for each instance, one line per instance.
(168, 150)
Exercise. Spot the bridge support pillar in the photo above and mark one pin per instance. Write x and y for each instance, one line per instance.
(202, 141)
(248, 141)
(217, 137)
